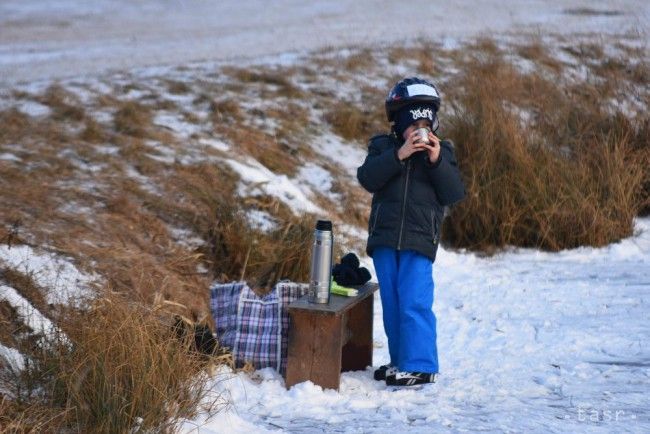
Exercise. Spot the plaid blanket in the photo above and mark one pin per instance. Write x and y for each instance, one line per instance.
(256, 329)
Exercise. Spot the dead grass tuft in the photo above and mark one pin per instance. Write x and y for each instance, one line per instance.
(354, 123)
(568, 174)
(116, 367)
(425, 54)
(537, 51)
(278, 156)
(239, 253)
(65, 105)
(233, 250)
(640, 72)
(132, 119)
(278, 78)
(225, 111)
(15, 125)
(357, 61)
(586, 51)
(93, 132)
(178, 87)
(293, 133)
(25, 286)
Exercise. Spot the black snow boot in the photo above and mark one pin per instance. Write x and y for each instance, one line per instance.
(410, 378)
(383, 371)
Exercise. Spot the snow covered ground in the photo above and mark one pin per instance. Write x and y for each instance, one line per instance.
(528, 342)
(41, 39)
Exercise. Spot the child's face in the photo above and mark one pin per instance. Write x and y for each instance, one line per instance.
(422, 123)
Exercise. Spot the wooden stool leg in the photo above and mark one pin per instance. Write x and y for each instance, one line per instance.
(357, 353)
(314, 351)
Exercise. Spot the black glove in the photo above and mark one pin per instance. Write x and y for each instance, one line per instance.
(348, 273)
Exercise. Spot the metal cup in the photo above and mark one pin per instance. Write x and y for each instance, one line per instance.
(423, 134)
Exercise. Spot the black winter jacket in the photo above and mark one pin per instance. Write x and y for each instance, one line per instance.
(408, 196)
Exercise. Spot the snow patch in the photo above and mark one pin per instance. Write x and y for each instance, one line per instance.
(57, 276)
(13, 357)
(177, 124)
(346, 155)
(6, 156)
(33, 318)
(165, 154)
(33, 109)
(257, 179)
(214, 143)
(185, 237)
(318, 178)
(261, 220)
(144, 181)
(107, 149)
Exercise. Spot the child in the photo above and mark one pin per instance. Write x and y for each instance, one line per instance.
(412, 175)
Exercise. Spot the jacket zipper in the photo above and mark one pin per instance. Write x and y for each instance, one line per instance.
(401, 225)
(434, 225)
(374, 222)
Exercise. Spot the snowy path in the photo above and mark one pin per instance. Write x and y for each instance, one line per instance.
(528, 341)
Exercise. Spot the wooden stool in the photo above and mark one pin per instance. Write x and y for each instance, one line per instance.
(326, 339)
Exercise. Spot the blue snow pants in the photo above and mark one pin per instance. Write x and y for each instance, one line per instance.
(406, 290)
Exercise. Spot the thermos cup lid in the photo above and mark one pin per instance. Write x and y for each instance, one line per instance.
(324, 225)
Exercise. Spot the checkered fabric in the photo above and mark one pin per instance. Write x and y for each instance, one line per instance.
(255, 328)
(258, 337)
(288, 292)
(224, 304)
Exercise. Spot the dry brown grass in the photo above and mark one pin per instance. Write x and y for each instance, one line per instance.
(126, 238)
(277, 155)
(25, 286)
(133, 119)
(15, 125)
(537, 51)
(233, 250)
(11, 324)
(93, 132)
(65, 106)
(194, 198)
(425, 54)
(224, 111)
(359, 61)
(266, 77)
(358, 123)
(586, 51)
(178, 87)
(113, 367)
(569, 176)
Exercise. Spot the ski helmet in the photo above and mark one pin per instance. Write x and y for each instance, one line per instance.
(408, 91)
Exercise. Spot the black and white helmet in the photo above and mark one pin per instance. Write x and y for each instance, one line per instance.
(409, 91)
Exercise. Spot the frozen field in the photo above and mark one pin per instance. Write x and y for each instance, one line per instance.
(42, 39)
(528, 342)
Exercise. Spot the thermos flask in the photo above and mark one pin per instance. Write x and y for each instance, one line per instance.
(320, 276)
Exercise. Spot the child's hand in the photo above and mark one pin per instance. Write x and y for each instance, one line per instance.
(410, 146)
(413, 145)
(433, 148)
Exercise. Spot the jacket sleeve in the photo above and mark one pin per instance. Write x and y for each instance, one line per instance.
(380, 165)
(445, 176)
